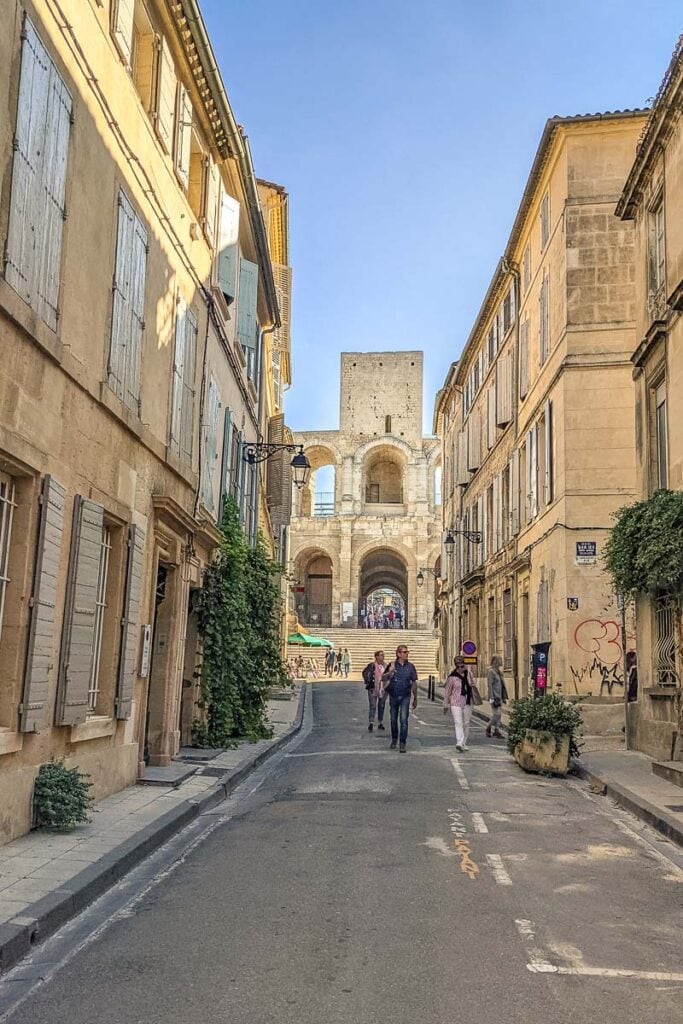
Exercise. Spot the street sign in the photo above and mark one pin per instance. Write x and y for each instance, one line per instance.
(469, 660)
(573, 604)
(586, 552)
(469, 648)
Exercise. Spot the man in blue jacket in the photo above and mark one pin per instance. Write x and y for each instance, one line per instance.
(401, 677)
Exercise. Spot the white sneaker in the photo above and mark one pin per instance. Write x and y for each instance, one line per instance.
(465, 747)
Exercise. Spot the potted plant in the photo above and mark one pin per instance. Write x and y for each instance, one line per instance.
(542, 733)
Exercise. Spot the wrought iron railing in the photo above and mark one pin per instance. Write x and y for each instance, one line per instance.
(324, 504)
(666, 609)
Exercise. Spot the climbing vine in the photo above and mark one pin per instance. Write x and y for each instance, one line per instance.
(644, 552)
(238, 620)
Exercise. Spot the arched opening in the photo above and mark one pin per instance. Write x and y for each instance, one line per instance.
(317, 498)
(384, 471)
(313, 590)
(383, 590)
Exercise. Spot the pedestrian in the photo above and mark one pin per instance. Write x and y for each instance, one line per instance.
(346, 662)
(372, 677)
(363, 616)
(300, 667)
(458, 697)
(338, 662)
(390, 616)
(400, 681)
(399, 618)
(329, 662)
(498, 696)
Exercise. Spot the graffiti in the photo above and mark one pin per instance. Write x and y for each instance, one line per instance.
(602, 639)
(609, 676)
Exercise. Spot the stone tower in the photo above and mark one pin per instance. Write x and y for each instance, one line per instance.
(368, 536)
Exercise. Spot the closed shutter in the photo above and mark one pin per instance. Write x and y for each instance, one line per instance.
(122, 18)
(128, 308)
(281, 340)
(482, 525)
(226, 458)
(188, 400)
(527, 478)
(491, 415)
(533, 474)
(514, 493)
(211, 199)
(247, 324)
(79, 613)
(474, 441)
(210, 452)
(183, 138)
(178, 375)
(524, 359)
(279, 477)
(228, 247)
(504, 390)
(129, 622)
(41, 638)
(37, 207)
(166, 96)
(496, 532)
(549, 482)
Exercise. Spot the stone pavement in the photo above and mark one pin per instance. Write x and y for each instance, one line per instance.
(45, 876)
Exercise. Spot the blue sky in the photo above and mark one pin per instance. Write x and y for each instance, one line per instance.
(404, 132)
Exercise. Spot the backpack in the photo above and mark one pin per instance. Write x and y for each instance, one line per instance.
(369, 676)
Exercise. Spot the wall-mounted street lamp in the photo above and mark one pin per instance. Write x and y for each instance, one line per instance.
(473, 536)
(425, 569)
(259, 451)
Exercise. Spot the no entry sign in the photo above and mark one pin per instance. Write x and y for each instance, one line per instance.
(469, 648)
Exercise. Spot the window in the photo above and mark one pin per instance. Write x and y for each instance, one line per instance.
(493, 639)
(437, 484)
(507, 630)
(507, 312)
(524, 359)
(490, 522)
(277, 379)
(656, 253)
(661, 474)
(492, 343)
(387, 424)
(7, 506)
(98, 629)
(128, 324)
(505, 505)
(526, 268)
(665, 612)
(142, 55)
(182, 408)
(37, 201)
(544, 322)
(210, 447)
(183, 137)
(545, 220)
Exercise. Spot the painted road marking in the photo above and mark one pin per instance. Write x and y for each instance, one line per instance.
(495, 862)
(479, 823)
(538, 962)
(464, 784)
(462, 846)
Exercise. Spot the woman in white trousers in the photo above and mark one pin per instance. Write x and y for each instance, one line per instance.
(458, 697)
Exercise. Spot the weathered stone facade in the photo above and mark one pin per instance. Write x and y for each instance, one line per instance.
(382, 523)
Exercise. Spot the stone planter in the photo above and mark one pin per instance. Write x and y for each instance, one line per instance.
(540, 752)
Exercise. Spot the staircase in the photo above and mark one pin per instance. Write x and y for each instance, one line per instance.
(362, 644)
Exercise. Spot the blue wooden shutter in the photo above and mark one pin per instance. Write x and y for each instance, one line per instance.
(247, 324)
(228, 247)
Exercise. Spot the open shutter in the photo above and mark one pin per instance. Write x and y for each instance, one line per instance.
(282, 275)
(127, 673)
(183, 138)
(178, 375)
(211, 199)
(548, 488)
(533, 468)
(523, 359)
(495, 532)
(491, 415)
(122, 17)
(122, 301)
(166, 96)
(514, 493)
(79, 614)
(481, 519)
(41, 638)
(228, 246)
(247, 324)
(53, 199)
(226, 458)
(188, 386)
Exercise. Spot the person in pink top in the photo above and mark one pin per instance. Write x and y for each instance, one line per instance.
(372, 677)
(458, 697)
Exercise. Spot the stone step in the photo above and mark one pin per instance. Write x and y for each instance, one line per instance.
(362, 643)
(672, 771)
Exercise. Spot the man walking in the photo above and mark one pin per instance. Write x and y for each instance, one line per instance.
(401, 677)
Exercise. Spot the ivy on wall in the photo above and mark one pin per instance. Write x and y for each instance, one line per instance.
(644, 551)
(238, 613)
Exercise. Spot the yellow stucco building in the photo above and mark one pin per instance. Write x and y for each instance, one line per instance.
(536, 422)
(138, 312)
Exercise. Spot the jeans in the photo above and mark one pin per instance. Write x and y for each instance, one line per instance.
(399, 709)
(496, 716)
(375, 702)
(346, 671)
(461, 720)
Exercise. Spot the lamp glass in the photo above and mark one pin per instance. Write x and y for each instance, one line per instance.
(301, 470)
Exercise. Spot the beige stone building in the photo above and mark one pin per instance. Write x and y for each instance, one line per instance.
(536, 422)
(378, 523)
(136, 291)
(652, 202)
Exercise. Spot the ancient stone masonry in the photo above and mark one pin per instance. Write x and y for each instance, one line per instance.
(379, 522)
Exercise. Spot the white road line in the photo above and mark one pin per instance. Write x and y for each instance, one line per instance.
(479, 823)
(464, 784)
(605, 972)
(495, 862)
(538, 961)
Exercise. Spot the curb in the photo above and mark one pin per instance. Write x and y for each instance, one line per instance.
(662, 822)
(46, 915)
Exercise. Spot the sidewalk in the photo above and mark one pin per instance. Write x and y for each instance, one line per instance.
(47, 877)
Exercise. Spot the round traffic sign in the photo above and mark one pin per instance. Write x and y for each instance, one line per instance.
(469, 647)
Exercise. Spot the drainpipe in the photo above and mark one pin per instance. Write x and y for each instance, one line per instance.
(513, 270)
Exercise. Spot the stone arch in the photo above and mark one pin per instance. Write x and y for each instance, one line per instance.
(376, 564)
(384, 475)
(315, 573)
(320, 454)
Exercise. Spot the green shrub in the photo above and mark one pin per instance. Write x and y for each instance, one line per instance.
(61, 797)
(550, 714)
(644, 551)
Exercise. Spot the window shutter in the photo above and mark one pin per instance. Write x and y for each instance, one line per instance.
(281, 341)
(41, 638)
(228, 246)
(139, 266)
(549, 468)
(504, 390)
(122, 17)
(37, 208)
(533, 439)
(130, 622)
(246, 312)
(278, 475)
(79, 612)
(210, 453)
(481, 520)
(189, 369)
(183, 139)
(474, 441)
(491, 415)
(524, 359)
(178, 375)
(497, 488)
(514, 493)
(166, 96)
(212, 179)
(123, 272)
(226, 457)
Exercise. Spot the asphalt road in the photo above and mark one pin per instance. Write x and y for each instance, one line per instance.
(360, 885)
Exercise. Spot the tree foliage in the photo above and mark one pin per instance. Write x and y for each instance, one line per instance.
(239, 619)
(644, 552)
(550, 714)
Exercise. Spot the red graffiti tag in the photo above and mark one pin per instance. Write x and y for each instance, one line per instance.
(600, 638)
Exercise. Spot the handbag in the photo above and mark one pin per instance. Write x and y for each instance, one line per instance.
(476, 696)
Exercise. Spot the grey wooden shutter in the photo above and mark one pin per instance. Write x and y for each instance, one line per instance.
(122, 17)
(79, 615)
(37, 207)
(226, 457)
(514, 493)
(211, 187)
(128, 320)
(228, 246)
(178, 375)
(548, 490)
(247, 325)
(127, 673)
(166, 96)
(209, 452)
(188, 388)
(183, 139)
(41, 657)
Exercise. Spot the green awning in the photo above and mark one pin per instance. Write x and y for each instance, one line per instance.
(308, 641)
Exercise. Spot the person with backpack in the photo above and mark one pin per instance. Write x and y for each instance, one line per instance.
(498, 696)
(372, 677)
(459, 698)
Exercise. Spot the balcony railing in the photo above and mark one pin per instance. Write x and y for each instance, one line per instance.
(324, 504)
